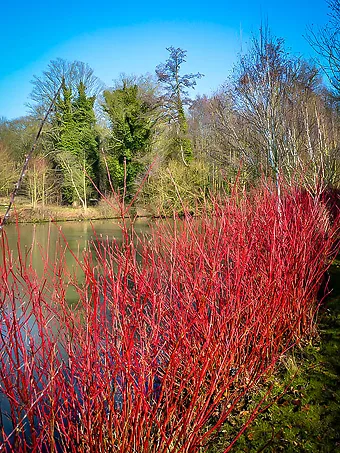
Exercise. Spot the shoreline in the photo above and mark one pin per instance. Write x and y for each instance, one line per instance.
(24, 213)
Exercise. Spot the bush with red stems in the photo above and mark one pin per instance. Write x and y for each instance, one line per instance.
(170, 330)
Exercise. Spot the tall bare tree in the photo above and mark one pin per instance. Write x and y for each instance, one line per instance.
(326, 42)
(71, 72)
(273, 116)
(176, 96)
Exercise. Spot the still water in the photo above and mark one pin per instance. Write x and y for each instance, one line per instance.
(39, 240)
(45, 243)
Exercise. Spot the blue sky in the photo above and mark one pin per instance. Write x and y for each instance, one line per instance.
(131, 37)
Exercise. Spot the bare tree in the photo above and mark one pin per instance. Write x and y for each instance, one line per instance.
(257, 110)
(8, 171)
(176, 96)
(273, 116)
(75, 177)
(41, 182)
(71, 72)
(262, 82)
(326, 42)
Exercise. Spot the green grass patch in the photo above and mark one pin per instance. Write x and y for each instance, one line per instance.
(306, 414)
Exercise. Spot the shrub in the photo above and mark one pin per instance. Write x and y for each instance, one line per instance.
(170, 332)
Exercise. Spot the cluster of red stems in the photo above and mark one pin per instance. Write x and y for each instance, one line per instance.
(170, 331)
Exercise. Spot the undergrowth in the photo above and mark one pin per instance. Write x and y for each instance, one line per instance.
(304, 415)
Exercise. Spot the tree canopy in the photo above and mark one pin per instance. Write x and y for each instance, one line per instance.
(132, 120)
(175, 96)
(274, 116)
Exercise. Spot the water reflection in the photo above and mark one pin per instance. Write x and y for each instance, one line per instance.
(41, 244)
(37, 240)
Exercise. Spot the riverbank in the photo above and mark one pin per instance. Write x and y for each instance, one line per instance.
(306, 414)
(23, 212)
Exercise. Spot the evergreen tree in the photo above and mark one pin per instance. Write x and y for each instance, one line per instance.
(132, 124)
(77, 144)
(85, 119)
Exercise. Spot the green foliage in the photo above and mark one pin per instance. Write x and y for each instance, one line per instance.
(116, 171)
(176, 85)
(183, 141)
(71, 73)
(131, 133)
(77, 143)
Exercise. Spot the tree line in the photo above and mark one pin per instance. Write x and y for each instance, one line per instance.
(274, 116)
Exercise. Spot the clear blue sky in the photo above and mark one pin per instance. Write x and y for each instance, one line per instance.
(131, 37)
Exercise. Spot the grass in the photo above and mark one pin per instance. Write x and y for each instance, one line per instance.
(23, 212)
(306, 415)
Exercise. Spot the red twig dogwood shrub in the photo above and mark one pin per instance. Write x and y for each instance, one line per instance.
(170, 332)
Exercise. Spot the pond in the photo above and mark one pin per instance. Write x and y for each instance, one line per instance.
(39, 239)
(42, 243)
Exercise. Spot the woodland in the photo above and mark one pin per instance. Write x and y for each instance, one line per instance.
(277, 115)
